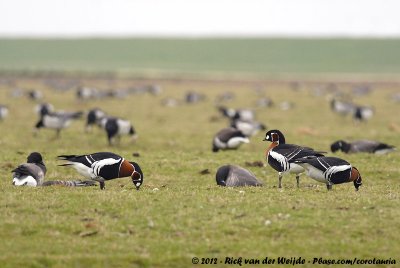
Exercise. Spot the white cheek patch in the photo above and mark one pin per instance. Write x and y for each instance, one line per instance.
(138, 184)
(267, 137)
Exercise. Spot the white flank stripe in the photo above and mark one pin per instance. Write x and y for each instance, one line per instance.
(335, 169)
(97, 166)
(281, 159)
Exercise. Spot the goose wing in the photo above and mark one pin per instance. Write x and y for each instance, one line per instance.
(241, 177)
(292, 152)
(228, 133)
(364, 146)
(28, 169)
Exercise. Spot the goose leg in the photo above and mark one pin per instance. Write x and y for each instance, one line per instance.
(329, 186)
(280, 180)
(101, 182)
(298, 180)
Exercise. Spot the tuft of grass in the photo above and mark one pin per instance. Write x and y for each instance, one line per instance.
(179, 214)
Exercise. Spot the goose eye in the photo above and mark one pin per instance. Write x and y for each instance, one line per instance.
(136, 176)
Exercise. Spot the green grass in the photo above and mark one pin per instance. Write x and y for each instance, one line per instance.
(209, 56)
(179, 214)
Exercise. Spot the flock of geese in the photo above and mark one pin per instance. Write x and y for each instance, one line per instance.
(282, 157)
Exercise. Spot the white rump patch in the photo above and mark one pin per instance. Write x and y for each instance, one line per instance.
(29, 180)
(85, 171)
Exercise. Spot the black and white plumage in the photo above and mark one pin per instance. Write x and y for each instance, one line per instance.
(330, 170)
(104, 166)
(281, 156)
(362, 146)
(194, 97)
(33, 172)
(237, 114)
(228, 138)
(86, 93)
(44, 108)
(265, 102)
(3, 112)
(94, 117)
(363, 113)
(115, 127)
(57, 120)
(248, 128)
(35, 95)
(361, 90)
(234, 176)
(342, 107)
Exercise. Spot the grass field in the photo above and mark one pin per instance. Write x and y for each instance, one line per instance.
(205, 56)
(179, 214)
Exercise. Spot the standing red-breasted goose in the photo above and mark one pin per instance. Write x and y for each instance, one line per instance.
(281, 156)
(104, 166)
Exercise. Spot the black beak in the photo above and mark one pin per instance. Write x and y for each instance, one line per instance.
(137, 187)
(265, 139)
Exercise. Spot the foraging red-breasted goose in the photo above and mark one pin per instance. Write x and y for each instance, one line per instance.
(330, 170)
(104, 166)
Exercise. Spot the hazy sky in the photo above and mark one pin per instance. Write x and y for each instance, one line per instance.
(200, 17)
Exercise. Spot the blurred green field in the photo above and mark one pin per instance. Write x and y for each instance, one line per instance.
(205, 56)
(179, 214)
